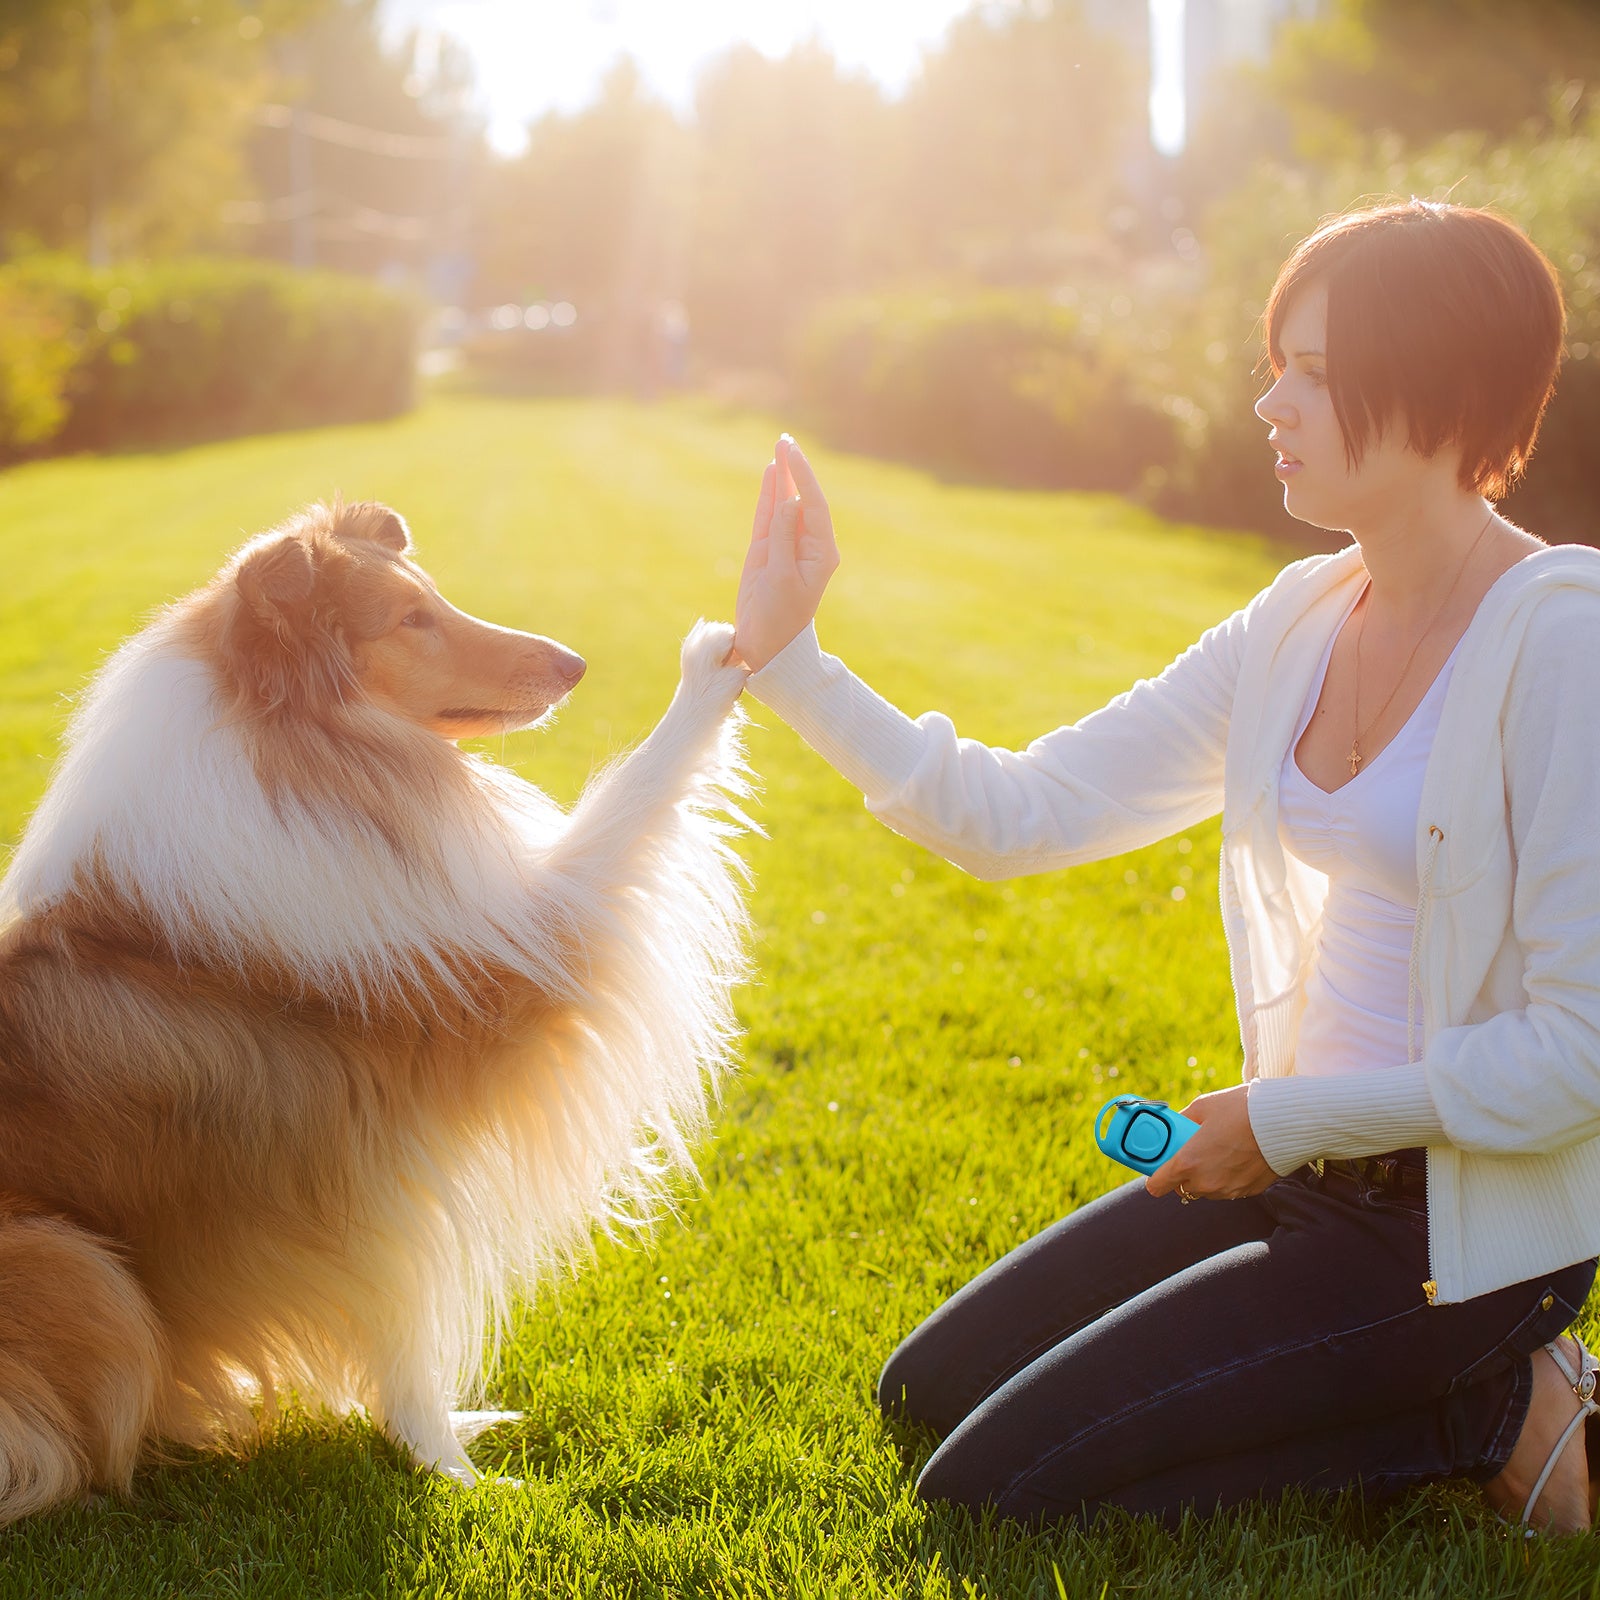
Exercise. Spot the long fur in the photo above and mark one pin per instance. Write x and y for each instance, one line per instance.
(321, 1039)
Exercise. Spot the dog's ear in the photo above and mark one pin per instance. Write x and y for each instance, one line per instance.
(276, 578)
(369, 519)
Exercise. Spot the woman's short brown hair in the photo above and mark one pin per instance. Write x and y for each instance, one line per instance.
(1443, 318)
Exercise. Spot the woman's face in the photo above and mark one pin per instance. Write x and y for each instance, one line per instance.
(1319, 484)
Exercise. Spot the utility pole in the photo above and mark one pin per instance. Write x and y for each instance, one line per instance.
(303, 248)
(100, 35)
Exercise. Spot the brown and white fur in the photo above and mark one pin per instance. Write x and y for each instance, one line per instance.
(320, 1038)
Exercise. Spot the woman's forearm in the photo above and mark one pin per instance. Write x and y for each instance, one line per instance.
(1147, 765)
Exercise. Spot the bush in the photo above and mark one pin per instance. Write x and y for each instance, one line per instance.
(543, 360)
(999, 386)
(198, 349)
(37, 355)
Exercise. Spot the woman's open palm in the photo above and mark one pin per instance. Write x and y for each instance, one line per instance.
(791, 557)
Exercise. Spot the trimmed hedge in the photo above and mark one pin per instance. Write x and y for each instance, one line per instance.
(193, 349)
(991, 385)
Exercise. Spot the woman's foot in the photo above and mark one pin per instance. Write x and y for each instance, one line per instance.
(1564, 1505)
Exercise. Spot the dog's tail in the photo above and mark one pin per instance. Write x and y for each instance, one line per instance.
(80, 1361)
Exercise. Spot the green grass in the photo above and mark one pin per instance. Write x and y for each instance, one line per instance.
(923, 1057)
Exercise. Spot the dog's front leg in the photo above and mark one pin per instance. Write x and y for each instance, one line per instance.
(421, 1424)
(690, 759)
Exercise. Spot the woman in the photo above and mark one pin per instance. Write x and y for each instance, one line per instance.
(1397, 1212)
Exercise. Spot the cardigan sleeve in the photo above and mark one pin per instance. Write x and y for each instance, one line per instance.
(1526, 1080)
(1146, 765)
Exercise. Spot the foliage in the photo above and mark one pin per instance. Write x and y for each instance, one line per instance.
(544, 360)
(788, 198)
(1018, 124)
(122, 121)
(374, 160)
(1422, 69)
(37, 355)
(924, 1052)
(594, 207)
(797, 182)
(1003, 386)
(1548, 184)
(195, 349)
(594, 213)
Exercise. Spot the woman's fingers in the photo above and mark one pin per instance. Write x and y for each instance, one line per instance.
(806, 486)
(765, 501)
(817, 548)
(755, 558)
(780, 458)
(780, 544)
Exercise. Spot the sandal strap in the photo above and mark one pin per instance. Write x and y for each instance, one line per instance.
(1583, 1382)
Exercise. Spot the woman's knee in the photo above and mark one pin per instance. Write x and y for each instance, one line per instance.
(974, 1469)
(901, 1383)
(954, 1476)
(913, 1386)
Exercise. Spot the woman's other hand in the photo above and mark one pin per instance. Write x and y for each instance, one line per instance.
(1222, 1161)
(792, 555)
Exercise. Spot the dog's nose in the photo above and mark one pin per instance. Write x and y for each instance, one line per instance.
(570, 666)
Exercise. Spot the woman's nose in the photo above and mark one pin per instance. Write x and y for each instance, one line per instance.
(1274, 409)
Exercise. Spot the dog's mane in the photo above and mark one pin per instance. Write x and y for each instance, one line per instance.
(367, 857)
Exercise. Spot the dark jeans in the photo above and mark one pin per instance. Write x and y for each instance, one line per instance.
(1151, 1355)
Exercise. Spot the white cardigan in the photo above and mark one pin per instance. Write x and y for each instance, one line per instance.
(1504, 1087)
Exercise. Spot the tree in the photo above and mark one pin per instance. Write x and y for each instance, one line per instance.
(373, 158)
(1020, 125)
(788, 196)
(122, 121)
(1422, 69)
(592, 211)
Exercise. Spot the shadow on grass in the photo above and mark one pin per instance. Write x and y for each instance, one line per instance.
(331, 1509)
(315, 1509)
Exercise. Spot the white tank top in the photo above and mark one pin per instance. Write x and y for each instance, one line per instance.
(1364, 837)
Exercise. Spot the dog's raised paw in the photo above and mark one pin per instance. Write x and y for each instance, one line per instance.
(704, 659)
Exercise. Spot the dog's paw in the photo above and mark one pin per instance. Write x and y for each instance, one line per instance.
(457, 1474)
(704, 658)
(467, 1425)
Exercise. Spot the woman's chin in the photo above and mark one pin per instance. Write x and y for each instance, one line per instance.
(1304, 508)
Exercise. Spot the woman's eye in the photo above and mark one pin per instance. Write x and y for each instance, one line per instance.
(416, 619)
(1320, 379)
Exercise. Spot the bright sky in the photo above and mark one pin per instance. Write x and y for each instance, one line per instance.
(531, 56)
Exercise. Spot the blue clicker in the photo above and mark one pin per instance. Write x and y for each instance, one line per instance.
(1141, 1133)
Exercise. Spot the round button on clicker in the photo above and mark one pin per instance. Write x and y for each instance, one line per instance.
(1145, 1137)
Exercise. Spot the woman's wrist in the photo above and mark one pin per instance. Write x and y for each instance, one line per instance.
(761, 650)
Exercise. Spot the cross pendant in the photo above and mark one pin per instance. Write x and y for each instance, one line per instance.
(1355, 760)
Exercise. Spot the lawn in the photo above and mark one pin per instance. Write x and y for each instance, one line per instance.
(924, 1052)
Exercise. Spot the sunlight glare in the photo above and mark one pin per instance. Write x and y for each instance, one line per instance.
(530, 56)
(1168, 111)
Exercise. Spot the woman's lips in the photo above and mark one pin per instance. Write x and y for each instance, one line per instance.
(1287, 466)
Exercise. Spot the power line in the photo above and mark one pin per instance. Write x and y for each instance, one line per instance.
(351, 136)
(354, 219)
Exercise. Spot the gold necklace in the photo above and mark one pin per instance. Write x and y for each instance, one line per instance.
(1355, 757)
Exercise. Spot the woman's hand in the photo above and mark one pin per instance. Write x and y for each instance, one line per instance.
(1220, 1162)
(792, 555)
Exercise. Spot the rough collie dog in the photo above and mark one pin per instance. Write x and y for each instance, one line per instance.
(320, 1038)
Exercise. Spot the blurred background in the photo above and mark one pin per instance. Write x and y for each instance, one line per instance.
(1022, 242)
